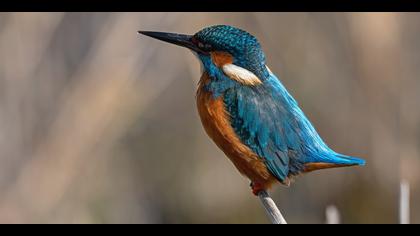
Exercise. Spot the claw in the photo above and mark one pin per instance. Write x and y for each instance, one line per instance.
(256, 188)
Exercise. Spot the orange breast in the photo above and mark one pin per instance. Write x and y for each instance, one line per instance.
(216, 123)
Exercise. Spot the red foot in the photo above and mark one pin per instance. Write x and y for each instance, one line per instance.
(256, 188)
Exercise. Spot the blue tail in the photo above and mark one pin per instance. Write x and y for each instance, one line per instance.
(346, 160)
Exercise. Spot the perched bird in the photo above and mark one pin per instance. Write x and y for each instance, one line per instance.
(248, 113)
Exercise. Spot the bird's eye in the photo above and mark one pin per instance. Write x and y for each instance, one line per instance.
(207, 46)
(203, 46)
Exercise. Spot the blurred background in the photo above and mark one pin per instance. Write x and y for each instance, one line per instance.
(99, 124)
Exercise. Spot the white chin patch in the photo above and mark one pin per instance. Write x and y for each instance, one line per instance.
(240, 74)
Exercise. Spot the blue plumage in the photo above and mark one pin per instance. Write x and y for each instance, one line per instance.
(265, 117)
(248, 112)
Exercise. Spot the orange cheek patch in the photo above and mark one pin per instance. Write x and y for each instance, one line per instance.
(221, 58)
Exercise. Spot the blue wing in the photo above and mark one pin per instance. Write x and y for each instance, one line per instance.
(269, 121)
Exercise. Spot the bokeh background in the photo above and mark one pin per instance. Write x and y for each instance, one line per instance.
(99, 125)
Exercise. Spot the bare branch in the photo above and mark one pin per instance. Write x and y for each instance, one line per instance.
(270, 207)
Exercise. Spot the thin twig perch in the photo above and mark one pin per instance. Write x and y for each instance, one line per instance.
(270, 207)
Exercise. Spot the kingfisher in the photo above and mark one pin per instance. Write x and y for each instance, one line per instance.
(248, 113)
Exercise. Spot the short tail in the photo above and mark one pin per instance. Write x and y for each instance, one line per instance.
(336, 160)
(347, 160)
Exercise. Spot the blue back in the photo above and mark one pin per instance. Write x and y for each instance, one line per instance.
(266, 117)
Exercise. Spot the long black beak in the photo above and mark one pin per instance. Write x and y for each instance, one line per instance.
(178, 39)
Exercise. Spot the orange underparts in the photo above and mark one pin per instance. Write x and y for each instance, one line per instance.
(217, 125)
(320, 165)
(221, 58)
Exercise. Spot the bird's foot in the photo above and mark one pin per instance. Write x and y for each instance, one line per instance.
(256, 188)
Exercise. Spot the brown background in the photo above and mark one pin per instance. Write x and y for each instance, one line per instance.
(98, 124)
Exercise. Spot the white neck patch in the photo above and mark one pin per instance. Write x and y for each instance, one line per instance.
(240, 74)
(269, 71)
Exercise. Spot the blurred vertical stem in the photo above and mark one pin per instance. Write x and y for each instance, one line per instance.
(404, 202)
(332, 214)
(270, 207)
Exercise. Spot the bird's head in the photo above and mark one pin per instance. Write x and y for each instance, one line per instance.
(222, 46)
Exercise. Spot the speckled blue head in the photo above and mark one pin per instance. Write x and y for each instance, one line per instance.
(244, 47)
